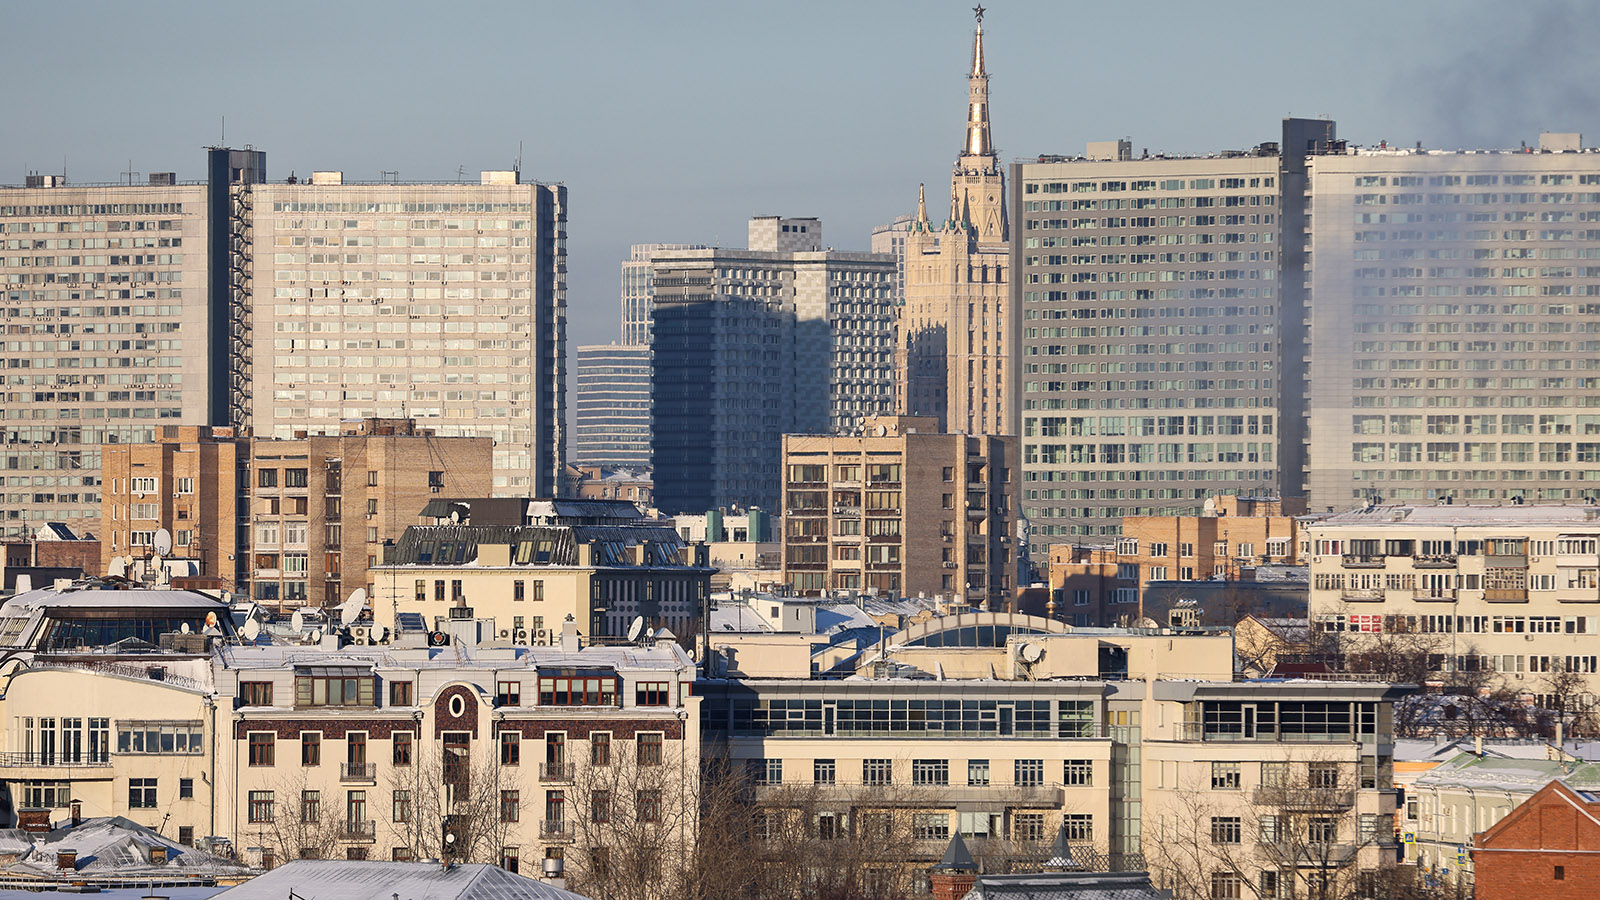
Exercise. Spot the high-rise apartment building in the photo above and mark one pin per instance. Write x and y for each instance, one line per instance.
(1152, 319)
(1453, 325)
(955, 339)
(613, 406)
(638, 290)
(281, 307)
(902, 509)
(891, 238)
(444, 303)
(752, 344)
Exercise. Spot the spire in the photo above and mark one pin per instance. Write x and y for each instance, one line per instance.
(978, 143)
(922, 209)
(956, 857)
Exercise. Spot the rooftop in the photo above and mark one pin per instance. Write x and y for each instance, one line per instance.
(315, 879)
(1521, 515)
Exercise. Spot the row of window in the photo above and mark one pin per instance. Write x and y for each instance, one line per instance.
(601, 809)
(263, 749)
(1025, 772)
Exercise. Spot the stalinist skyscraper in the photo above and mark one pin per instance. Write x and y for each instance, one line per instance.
(954, 356)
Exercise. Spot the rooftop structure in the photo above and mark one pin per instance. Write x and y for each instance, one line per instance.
(373, 880)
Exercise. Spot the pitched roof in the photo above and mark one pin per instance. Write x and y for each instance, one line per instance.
(327, 879)
(1066, 886)
(956, 858)
(1586, 802)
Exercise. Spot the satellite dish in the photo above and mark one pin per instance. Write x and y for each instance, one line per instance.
(297, 621)
(1031, 653)
(316, 635)
(163, 542)
(119, 567)
(184, 628)
(350, 610)
(251, 630)
(635, 629)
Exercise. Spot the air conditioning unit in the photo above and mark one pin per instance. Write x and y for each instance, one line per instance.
(520, 636)
(361, 635)
(504, 633)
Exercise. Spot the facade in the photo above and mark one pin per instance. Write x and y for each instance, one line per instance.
(1545, 848)
(1450, 331)
(752, 344)
(891, 239)
(954, 350)
(528, 579)
(1509, 590)
(594, 482)
(444, 303)
(638, 291)
(321, 508)
(186, 480)
(1204, 395)
(901, 509)
(613, 406)
(959, 733)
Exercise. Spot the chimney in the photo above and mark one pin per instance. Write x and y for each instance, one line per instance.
(1477, 745)
(76, 808)
(67, 859)
(34, 821)
(956, 872)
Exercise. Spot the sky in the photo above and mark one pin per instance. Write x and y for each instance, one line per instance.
(677, 121)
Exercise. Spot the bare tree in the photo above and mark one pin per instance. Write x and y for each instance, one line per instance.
(480, 800)
(296, 821)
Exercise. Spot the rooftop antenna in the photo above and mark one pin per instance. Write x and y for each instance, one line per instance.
(517, 167)
(224, 130)
(350, 610)
(131, 175)
(461, 173)
(251, 630)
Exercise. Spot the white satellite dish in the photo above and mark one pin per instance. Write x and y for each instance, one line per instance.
(163, 542)
(316, 635)
(118, 569)
(251, 630)
(184, 628)
(350, 610)
(1031, 653)
(297, 621)
(635, 629)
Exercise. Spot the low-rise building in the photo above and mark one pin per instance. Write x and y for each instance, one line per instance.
(1511, 590)
(599, 563)
(902, 509)
(1545, 848)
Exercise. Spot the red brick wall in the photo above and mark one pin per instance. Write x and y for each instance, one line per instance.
(1526, 875)
(951, 885)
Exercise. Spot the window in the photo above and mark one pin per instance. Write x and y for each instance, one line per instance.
(650, 693)
(357, 853)
(1226, 886)
(510, 806)
(768, 771)
(508, 693)
(1367, 828)
(600, 806)
(823, 771)
(144, 485)
(518, 590)
(1269, 829)
(649, 749)
(1269, 884)
(510, 748)
(1224, 776)
(1321, 830)
(421, 589)
(1274, 774)
(401, 693)
(978, 772)
(402, 748)
(185, 788)
(435, 481)
(310, 748)
(1323, 776)
(1077, 772)
(267, 478)
(600, 748)
(401, 807)
(649, 806)
(260, 806)
(255, 693)
(1080, 826)
(1029, 772)
(930, 771)
(1561, 873)
(186, 835)
(262, 745)
(573, 691)
(141, 793)
(1027, 827)
(1226, 830)
(310, 807)
(877, 771)
(334, 686)
(930, 826)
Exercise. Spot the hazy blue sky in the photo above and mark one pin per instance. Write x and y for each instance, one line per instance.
(675, 121)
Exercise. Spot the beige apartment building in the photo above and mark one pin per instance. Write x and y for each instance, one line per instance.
(1453, 331)
(322, 507)
(1504, 589)
(185, 480)
(954, 351)
(1141, 743)
(900, 508)
(104, 334)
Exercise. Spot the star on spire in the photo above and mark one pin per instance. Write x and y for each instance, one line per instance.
(978, 11)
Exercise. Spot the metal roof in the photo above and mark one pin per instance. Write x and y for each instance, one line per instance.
(1067, 886)
(338, 879)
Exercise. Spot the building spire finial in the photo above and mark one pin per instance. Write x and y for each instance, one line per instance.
(922, 206)
(978, 143)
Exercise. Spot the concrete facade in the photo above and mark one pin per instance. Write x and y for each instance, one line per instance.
(901, 509)
(613, 406)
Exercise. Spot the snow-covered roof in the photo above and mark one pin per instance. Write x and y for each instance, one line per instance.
(338, 879)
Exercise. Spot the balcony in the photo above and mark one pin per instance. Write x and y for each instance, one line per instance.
(1506, 595)
(555, 773)
(1434, 595)
(1363, 595)
(1361, 561)
(1434, 561)
(555, 829)
(930, 795)
(1196, 731)
(1304, 797)
(56, 765)
(358, 773)
(358, 830)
